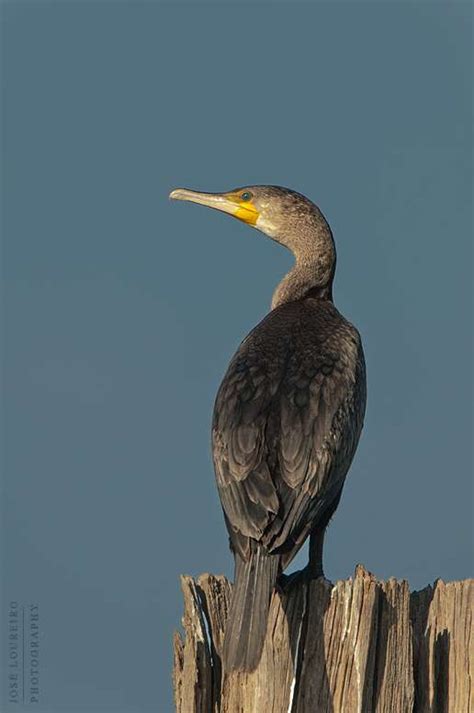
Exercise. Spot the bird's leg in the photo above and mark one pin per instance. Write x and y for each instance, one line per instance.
(315, 564)
(313, 569)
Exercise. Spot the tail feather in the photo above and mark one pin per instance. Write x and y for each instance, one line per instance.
(247, 623)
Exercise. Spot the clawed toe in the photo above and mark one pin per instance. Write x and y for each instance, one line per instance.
(286, 581)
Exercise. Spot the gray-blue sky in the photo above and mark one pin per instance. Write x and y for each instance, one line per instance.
(122, 309)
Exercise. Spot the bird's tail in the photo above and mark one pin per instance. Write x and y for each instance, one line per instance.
(247, 623)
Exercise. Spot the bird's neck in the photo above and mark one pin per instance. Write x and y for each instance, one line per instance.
(311, 276)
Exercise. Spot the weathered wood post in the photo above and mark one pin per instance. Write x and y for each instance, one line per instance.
(359, 646)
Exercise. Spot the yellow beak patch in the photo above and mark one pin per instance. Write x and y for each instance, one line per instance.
(247, 212)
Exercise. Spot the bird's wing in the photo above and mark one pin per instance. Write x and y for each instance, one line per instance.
(322, 404)
(246, 487)
(280, 420)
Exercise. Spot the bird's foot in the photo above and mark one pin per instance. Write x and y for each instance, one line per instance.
(285, 582)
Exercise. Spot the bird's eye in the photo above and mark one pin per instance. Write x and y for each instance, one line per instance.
(246, 196)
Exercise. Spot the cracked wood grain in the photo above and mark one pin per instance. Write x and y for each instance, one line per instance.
(359, 646)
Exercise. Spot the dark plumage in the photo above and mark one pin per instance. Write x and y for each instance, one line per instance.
(287, 417)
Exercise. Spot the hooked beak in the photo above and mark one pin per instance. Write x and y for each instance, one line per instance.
(225, 202)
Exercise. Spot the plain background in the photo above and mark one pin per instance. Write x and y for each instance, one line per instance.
(122, 309)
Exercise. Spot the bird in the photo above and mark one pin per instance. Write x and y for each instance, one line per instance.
(287, 416)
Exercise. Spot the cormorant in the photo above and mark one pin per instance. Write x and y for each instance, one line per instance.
(288, 413)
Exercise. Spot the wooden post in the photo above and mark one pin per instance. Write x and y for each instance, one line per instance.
(359, 646)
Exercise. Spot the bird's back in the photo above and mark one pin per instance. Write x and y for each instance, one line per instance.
(287, 420)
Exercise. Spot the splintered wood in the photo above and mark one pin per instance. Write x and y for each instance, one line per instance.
(360, 646)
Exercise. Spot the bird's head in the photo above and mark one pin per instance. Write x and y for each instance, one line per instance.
(284, 215)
